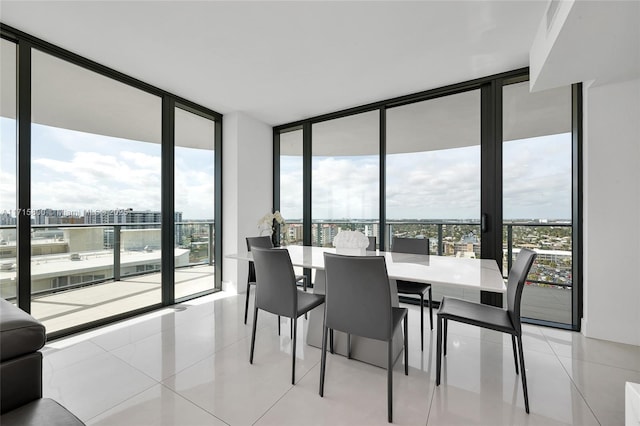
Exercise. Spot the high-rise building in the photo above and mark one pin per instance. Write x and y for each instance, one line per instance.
(144, 218)
(54, 216)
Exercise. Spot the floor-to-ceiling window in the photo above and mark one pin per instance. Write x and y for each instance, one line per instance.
(291, 189)
(8, 170)
(194, 203)
(92, 196)
(537, 200)
(95, 189)
(480, 168)
(433, 176)
(291, 186)
(345, 177)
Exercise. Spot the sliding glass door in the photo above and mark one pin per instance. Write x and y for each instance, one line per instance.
(95, 195)
(433, 180)
(194, 209)
(345, 177)
(8, 177)
(537, 200)
(106, 183)
(482, 169)
(291, 187)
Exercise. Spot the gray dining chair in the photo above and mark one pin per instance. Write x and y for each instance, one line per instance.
(490, 317)
(262, 242)
(277, 293)
(358, 301)
(415, 246)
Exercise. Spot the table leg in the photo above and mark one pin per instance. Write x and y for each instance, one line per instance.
(491, 298)
(363, 349)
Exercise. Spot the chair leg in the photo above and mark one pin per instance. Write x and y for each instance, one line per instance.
(446, 327)
(438, 350)
(390, 380)
(323, 361)
(293, 362)
(291, 328)
(331, 341)
(523, 375)
(253, 334)
(348, 346)
(430, 308)
(422, 322)
(406, 346)
(515, 353)
(246, 302)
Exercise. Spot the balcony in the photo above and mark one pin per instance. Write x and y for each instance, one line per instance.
(84, 273)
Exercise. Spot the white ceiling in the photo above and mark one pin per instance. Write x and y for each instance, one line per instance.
(284, 61)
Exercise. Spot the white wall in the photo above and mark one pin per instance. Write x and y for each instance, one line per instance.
(612, 212)
(246, 189)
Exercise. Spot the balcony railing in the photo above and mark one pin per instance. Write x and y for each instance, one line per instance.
(552, 241)
(67, 256)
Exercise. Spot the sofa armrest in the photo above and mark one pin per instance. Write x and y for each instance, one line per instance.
(40, 412)
(20, 381)
(21, 337)
(20, 332)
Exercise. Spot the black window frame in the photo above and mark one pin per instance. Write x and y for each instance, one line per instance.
(24, 45)
(491, 171)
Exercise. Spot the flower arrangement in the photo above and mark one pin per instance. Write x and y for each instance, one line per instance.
(351, 242)
(270, 224)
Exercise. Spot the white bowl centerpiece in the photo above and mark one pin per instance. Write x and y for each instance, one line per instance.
(351, 242)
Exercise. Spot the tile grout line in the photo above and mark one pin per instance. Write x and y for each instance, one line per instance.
(193, 402)
(285, 394)
(571, 379)
(433, 396)
(122, 402)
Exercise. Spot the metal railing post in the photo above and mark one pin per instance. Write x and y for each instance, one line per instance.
(116, 252)
(509, 247)
(211, 239)
(440, 243)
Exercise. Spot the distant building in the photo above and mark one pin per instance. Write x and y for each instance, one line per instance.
(467, 246)
(54, 217)
(7, 219)
(128, 217)
(323, 234)
(294, 233)
(105, 216)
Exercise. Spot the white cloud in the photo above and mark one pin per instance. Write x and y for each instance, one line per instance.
(345, 188)
(437, 184)
(7, 192)
(194, 183)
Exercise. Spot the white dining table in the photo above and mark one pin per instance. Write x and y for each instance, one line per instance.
(479, 274)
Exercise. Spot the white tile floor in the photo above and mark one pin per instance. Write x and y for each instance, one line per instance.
(189, 365)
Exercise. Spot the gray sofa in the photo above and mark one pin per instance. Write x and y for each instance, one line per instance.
(21, 402)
